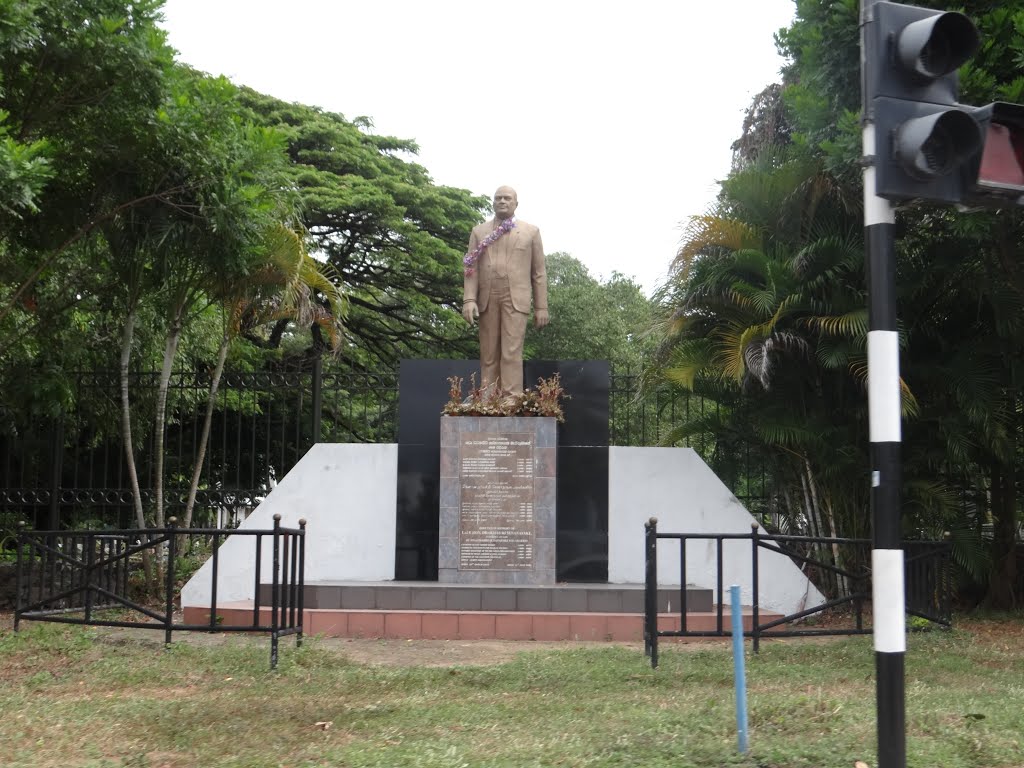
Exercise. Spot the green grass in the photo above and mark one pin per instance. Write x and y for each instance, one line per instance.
(69, 697)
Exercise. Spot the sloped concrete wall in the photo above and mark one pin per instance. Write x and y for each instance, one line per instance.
(677, 487)
(347, 494)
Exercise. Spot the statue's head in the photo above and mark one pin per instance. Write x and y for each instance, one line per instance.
(505, 203)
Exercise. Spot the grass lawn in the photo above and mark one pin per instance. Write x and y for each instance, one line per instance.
(80, 697)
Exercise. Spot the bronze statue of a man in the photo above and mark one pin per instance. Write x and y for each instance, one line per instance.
(504, 269)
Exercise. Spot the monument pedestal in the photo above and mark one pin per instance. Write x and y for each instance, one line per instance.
(497, 500)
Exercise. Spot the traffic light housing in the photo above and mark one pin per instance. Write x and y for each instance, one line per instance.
(929, 146)
(997, 172)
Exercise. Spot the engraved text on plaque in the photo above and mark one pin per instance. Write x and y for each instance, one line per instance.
(496, 513)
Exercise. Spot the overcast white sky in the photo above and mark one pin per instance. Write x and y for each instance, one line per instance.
(613, 121)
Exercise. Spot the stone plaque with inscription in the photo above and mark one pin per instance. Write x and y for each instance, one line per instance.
(497, 517)
(496, 501)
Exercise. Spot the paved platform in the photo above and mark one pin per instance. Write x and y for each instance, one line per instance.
(435, 596)
(435, 611)
(471, 624)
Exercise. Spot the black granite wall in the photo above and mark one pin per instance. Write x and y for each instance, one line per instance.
(582, 525)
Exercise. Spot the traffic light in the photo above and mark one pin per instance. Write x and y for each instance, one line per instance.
(929, 146)
(997, 171)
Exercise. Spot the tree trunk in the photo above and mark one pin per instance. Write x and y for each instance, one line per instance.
(837, 561)
(812, 489)
(792, 528)
(813, 503)
(807, 506)
(814, 524)
(170, 349)
(126, 436)
(822, 549)
(1001, 595)
(126, 418)
(211, 402)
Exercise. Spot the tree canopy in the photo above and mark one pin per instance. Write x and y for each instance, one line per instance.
(154, 217)
(766, 310)
(395, 239)
(592, 320)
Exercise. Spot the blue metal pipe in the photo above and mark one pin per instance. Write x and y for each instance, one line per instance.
(739, 667)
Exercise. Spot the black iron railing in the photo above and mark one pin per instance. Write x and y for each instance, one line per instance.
(841, 571)
(86, 577)
(639, 416)
(71, 471)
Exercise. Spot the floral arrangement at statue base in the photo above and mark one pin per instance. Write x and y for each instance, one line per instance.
(543, 400)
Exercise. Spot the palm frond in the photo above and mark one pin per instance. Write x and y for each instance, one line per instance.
(849, 324)
(711, 231)
(909, 407)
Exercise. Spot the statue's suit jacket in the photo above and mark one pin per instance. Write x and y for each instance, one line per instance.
(526, 267)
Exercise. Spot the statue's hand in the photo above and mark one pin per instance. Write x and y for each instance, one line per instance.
(470, 312)
(540, 317)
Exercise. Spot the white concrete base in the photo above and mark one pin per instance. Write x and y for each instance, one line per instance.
(677, 487)
(347, 493)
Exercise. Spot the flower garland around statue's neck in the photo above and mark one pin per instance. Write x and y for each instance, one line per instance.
(470, 259)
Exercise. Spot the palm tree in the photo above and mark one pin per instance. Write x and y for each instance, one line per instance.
(291, 285)
(765, 317)
(964, 313)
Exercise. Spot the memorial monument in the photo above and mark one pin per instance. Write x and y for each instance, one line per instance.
(476, 503)
(504, 271)
(497, 494)
(497, 510)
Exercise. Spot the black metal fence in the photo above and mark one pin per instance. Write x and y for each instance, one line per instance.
(638, 417)
(71, 471)
(644, 416)
(839, 567)
(86, 577)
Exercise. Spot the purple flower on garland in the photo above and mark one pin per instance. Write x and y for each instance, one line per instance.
(470, 259)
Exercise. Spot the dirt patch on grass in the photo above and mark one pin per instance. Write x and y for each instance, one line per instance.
(398, 653)
(169, 760)
(445, 653)
(433, 653)
(412, 653)
(1004, 633)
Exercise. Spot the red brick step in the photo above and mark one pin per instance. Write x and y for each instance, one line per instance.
(472, 625)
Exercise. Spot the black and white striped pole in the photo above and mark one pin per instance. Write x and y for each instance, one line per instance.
(918, 144)
(887, 593)
(885, 431)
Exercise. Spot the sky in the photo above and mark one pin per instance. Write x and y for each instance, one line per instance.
(612, 120)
